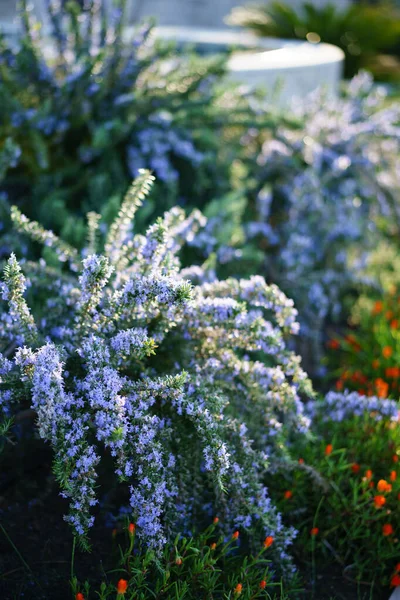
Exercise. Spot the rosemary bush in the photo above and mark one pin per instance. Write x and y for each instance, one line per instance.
(190, 388)
(318, 199)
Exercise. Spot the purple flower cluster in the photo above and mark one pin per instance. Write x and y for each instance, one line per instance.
(339, 406)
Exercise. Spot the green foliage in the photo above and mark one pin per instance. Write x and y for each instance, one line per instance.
(357, 460)
(206, 566)
(361, 30)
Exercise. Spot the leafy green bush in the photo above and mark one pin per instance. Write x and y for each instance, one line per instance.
(361, 30)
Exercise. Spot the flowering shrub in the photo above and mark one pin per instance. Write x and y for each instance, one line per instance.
(367, 358)
(122, 356)
(83, 107)
(204, 565)
(318, 199)
(345, 493)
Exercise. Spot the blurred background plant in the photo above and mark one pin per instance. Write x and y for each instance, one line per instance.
(86, 104)
(365, 355)
(368, 34)
(314, 201)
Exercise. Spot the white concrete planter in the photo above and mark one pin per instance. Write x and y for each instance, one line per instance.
(294, 67)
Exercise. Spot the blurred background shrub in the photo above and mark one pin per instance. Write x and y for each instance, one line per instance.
(314, 201)
(366, 33)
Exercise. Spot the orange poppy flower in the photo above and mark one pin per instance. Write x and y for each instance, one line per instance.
(379, 501)
(263, 584)
(387, 529)
(269, 540)
(368, 474)
(122, 586)
(288, 494)
(383, 486)
(378, 307)
(395, 458)
(382, 388)
(393, 475)
(392, 372)
(394, 324)
(79, 596)
(355, 467)
(314, 531)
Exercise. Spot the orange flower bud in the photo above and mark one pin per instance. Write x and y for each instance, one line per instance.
(79, 596)
(378, 307)
(213, 546)
(387, 351)
(328, 450)
(215, 520)
(301, 461)
(263, 584)
(395, 458)
(379, 501)
(387, 529)
(288, 494)
(314, 531)
(333, 344)
(235, 535)
(131, 528)
(394, 324)
(368, 474)
(269, 540)
(393, 475)
(355, 467)
(178, 561)
(122, 586)
(238, 589)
